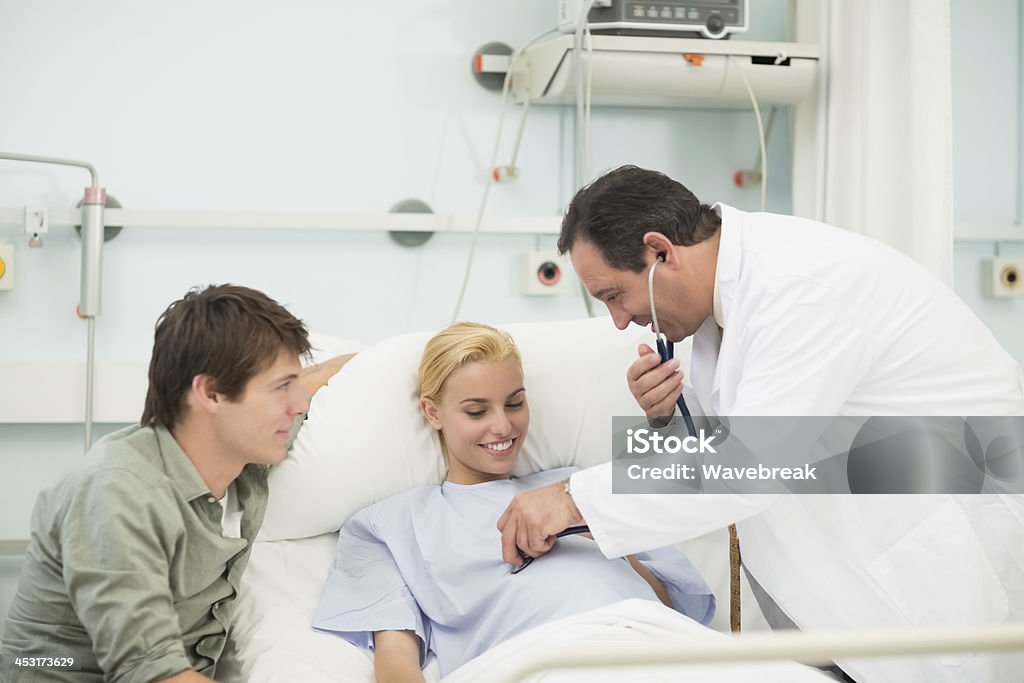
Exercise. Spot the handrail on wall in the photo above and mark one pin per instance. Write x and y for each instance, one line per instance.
(377, 222)
(299, 220)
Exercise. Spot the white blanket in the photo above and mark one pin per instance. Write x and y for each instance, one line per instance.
(272, 642)
(612, 627)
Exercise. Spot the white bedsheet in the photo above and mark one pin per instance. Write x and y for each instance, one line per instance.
(272, 641)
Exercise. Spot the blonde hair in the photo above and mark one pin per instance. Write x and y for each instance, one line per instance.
(455, 347)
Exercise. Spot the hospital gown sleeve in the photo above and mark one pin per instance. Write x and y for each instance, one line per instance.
(365, 591)
(687, 589)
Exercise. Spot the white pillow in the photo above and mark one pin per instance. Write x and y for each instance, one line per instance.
(365, 438)
(324, 346)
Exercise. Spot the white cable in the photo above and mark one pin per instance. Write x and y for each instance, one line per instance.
(582, 112)
(577, 53)
(760, 131)
(506, 86)
(585, 164)
(486, 194)
(588, 94)
(1020, 105)
(583, 102)
(519, 134)
(772, 112)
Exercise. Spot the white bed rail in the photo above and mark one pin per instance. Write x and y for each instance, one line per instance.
(809, 648)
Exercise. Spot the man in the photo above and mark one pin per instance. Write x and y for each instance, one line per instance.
(797, 318)
(136, 558)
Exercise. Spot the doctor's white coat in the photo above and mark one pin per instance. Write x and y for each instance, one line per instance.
(820, 321)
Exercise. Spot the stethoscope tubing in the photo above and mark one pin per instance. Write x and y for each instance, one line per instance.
(666, 348)
(666, 351)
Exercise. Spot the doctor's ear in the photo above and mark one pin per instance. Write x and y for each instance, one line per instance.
(660, 245)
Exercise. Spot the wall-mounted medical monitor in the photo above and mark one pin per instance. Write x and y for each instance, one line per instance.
(679, 18)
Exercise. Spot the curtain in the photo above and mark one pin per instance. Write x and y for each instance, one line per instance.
(873, 151)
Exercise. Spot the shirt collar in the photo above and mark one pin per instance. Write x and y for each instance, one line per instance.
(179, 469)
(727, 267)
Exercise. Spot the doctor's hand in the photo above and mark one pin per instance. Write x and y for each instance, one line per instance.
(533, 518)
(655, 385)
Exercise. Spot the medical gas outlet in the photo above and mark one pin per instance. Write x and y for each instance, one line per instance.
(543, 274)
(1004, 278)
(6, 266)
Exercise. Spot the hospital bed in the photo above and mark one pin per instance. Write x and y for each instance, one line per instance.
(364, 440)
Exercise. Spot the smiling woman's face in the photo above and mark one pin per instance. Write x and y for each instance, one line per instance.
(484, 417)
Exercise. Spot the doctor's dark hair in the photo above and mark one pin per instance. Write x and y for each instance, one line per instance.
(615, 211)
(228, 332)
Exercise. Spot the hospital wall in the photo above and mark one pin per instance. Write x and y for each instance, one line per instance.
(315, 106)
(349, 107)
(987, 151)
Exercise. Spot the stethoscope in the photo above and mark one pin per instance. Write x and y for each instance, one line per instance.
(528, 559)
(666, 347)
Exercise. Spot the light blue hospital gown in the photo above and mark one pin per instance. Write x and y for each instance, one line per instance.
(429, 560)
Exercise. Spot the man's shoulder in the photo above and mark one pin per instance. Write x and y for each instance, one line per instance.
(131, 454)
(802, 245)
(119, 473)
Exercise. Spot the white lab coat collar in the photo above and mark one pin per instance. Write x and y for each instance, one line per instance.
(727, 268)
(707, 341)
(719, 315)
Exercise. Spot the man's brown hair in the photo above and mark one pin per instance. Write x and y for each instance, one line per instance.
(228, 332)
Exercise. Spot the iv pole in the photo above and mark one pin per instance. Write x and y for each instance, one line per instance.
(92, 267)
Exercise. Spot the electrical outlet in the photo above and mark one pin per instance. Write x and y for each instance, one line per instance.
(6, 266)
(1004, 278)
(543, 273)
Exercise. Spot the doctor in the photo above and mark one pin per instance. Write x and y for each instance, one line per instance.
(793, 317)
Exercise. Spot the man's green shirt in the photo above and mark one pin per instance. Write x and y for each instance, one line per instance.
(128, 569)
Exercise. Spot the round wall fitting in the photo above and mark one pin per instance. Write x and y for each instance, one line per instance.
(1010, 277)
(410, 238)
(109, 231)
(492, 80)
